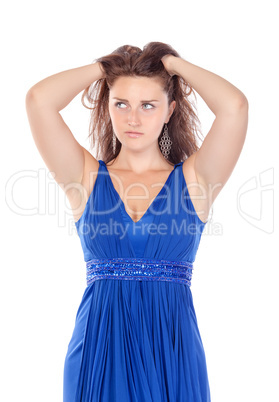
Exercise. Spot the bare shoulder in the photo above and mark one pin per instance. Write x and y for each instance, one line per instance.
(80, 192)
(189, 170)
(197, 188)
(90, 163)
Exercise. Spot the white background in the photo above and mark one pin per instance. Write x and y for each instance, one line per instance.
(235, 281)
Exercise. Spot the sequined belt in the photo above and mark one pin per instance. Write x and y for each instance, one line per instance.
(139, 269)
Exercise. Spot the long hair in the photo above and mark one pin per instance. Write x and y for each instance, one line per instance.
(131, 61)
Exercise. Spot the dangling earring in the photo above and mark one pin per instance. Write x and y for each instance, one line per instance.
(113, 142)
(165, 143)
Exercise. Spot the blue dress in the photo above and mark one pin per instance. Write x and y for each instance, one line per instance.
(136, 336)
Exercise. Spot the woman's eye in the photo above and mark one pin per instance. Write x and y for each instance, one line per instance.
(120, 103)
(148, 104)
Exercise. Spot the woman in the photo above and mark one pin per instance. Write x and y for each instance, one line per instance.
(136, 336)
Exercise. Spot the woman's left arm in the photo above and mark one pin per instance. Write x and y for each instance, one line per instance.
(220, 150)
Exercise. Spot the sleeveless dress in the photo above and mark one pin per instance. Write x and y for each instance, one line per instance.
(136, 336)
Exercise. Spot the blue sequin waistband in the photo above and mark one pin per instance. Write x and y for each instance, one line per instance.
(139, 269)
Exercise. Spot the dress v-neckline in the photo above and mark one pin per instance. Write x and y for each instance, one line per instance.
(155, 199)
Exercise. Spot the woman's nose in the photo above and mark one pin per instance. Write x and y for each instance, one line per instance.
(133, 118)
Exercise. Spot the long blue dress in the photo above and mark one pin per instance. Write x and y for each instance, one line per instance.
(136, 336)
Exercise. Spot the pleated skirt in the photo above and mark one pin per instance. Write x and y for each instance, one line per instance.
(136, 341)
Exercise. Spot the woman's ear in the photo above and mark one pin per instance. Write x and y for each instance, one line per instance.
(171, 109)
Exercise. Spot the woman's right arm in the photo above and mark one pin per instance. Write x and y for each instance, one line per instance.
(62, 154)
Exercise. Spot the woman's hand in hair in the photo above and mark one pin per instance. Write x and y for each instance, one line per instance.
(102, 71)
(168, 62)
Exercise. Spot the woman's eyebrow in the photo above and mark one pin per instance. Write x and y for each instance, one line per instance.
(125, 100)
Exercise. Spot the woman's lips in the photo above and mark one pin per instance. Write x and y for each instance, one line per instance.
(133, 134)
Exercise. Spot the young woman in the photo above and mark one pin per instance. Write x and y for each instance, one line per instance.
(140, 211)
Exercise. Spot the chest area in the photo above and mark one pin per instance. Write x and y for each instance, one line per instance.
(138, 192)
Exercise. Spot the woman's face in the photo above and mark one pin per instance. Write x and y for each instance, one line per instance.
(138, 104)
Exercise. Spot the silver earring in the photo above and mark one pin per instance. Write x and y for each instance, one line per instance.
(113, 142)
(165, 143)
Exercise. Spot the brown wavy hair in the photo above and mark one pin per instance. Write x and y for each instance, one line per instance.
(131, 61)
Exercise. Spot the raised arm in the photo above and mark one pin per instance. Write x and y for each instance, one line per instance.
(58, 147)
(220, 150)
